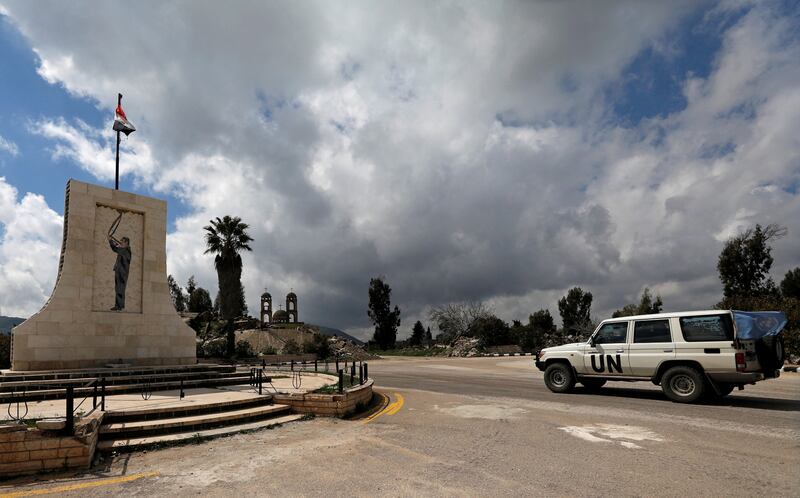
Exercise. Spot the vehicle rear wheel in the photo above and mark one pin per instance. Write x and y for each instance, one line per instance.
(593, 384)
(683, 384)
(559, 378)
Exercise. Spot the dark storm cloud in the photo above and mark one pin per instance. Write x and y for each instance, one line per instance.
(464, 150)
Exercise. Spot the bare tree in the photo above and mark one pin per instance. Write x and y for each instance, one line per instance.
(455, 319)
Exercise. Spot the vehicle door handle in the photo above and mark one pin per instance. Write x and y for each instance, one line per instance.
(620, 351)
(667, 350)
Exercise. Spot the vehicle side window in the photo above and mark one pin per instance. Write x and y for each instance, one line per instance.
(707, 328)
(651, 331)
(612, 333)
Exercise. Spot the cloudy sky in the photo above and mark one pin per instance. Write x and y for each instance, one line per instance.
(496, 151)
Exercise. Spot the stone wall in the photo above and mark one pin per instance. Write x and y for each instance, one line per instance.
(24, 450)
(329, 405)
(76, 328)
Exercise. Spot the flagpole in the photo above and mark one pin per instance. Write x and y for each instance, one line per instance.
(116, 175)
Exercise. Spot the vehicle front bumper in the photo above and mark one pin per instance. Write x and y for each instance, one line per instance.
(539, 365)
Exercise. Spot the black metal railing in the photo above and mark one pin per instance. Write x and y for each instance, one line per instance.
(15, 402)
(349, 372)
(98, 386)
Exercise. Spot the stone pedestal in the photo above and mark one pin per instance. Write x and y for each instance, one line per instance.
(77, 328)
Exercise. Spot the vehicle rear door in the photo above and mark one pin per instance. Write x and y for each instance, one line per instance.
(652, 344)
(707, 339)
(609, 355)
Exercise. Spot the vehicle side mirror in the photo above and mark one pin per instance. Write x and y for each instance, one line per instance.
(591, 341)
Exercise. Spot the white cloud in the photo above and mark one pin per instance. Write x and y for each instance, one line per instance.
(466, 151)
(29, 251)
(94, 151)
(8, 146)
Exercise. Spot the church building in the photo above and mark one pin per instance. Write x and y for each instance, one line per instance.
(288, 315)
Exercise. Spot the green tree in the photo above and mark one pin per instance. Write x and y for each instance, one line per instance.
(176, 294)
(491, 330)
(539, 332)
(646, 306)
(745, 261)
(200, 301)
(417, 334)
(576, 309)
(380, 312)
(191, 285)
(244, 349)
(226, 238)
(291, 347)
(318, 345)
(790, 285)
(242, 303)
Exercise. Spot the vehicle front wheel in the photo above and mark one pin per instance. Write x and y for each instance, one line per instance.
(593, 384)
(559, 378)
(683, 384)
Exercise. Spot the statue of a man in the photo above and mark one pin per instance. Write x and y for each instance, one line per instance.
(121, 267)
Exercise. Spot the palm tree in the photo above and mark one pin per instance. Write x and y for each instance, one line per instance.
(226, 238)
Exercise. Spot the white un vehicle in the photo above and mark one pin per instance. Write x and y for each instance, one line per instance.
(689, 354)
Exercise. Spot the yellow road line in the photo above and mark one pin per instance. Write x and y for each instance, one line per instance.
(385, 403)
(82, 485)
(395, 407)
(389, 409)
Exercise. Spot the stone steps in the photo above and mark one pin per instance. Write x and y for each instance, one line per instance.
(146, 428)
(191, 436)
(184, 410)
(143, 427)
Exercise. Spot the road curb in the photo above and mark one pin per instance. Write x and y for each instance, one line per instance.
(498, 355)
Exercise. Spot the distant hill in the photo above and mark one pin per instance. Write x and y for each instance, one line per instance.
(7, 322)
(330, 331)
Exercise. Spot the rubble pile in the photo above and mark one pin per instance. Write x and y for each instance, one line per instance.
(342, 348)
(465, 347)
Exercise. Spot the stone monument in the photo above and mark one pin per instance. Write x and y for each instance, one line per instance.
(111, 301)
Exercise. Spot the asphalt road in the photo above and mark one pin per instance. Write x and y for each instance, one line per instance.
(487, 427)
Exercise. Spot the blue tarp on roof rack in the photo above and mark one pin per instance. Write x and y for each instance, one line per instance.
(758, 324)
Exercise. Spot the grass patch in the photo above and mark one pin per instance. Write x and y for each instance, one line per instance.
(334, 388)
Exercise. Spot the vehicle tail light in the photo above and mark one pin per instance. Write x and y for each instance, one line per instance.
(740, 363)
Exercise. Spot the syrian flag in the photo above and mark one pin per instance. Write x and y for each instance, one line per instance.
(121, 122)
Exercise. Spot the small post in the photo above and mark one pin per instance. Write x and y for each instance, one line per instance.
(352, 372)
(102, 394)
(366, 371)
(182, 394)
(94, 395)
(341, 381)
(292, 365)
(315, 365)
(70, 428)
(260, 379)
(361, 374)
(337, 363)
